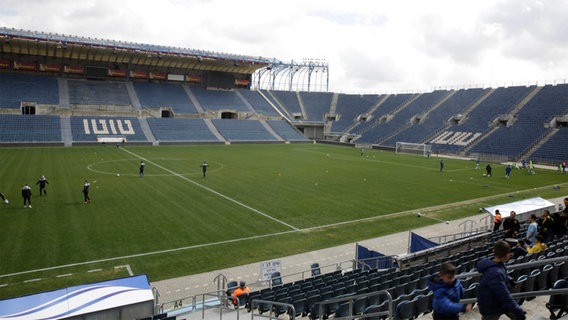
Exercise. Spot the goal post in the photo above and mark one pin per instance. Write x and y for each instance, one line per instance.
(414, 148)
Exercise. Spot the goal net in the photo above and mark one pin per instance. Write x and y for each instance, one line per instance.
(414, 148)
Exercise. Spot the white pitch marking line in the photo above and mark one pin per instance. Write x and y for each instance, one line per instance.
(64, 275)
(211, 190)
(127, 266)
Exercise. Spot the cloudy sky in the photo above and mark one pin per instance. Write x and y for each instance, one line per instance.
(370, 45)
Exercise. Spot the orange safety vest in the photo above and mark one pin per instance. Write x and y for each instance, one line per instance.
(498, 218)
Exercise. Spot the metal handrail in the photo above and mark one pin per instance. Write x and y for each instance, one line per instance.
(518, 295)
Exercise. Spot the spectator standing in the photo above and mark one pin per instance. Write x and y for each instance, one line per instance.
(497, 220)
(42, 184)
(511, 225)
(448, 291)
(532, 230)
(441, 165)
(494, 291)
(546, 225)
(27, 195)
(559, 226)
(563, 220)
(86, 187)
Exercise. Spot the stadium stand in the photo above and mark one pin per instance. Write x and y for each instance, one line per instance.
(403, 117)
(89, 129)
(478, 120)
(285, 130)
(258, 103)
(219, 100)
(156, 95)
(435, 120)
(553, 149)
(243, 130)
(316, 104)
(17, 88)
(85, 92)
(529, 122)
(16, 128)
(466, 121)
(291, 103)
(181, 129)
(349, 108)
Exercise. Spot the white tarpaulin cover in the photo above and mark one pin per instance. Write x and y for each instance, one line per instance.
(522, 208)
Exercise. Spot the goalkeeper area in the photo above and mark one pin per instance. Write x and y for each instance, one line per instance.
(258, 202)
(414, 148)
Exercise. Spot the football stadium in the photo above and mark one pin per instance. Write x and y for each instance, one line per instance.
(162, 178)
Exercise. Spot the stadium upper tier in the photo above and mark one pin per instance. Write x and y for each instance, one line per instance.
(503, 124)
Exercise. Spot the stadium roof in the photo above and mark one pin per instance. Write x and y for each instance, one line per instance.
(93, 50)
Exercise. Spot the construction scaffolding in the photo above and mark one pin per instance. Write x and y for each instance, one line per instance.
(311, 75)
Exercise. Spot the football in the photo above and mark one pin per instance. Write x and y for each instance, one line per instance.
(6, 201)
(118, 174)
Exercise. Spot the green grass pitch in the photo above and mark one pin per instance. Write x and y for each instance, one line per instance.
(258, 202)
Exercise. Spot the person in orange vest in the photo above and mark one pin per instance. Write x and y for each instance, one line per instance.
(497, 221)
(240, 290)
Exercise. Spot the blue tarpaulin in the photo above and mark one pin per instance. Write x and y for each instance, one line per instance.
(369, 259)
(418, 243)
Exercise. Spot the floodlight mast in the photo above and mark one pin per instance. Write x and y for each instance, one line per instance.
(310, 75)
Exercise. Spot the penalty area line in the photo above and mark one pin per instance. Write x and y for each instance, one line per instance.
(213, 191)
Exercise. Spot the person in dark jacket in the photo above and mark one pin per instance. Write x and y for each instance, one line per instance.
(42, 183)
(448, 291)
(519, 250)
(512, 226)
(27, 195)
(546, 226)
(86, 188)
(494, 291)
(204, 166)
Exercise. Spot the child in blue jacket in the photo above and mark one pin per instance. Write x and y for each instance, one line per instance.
(448, 291)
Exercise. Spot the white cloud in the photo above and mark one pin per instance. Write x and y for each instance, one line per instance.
(371, 46)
